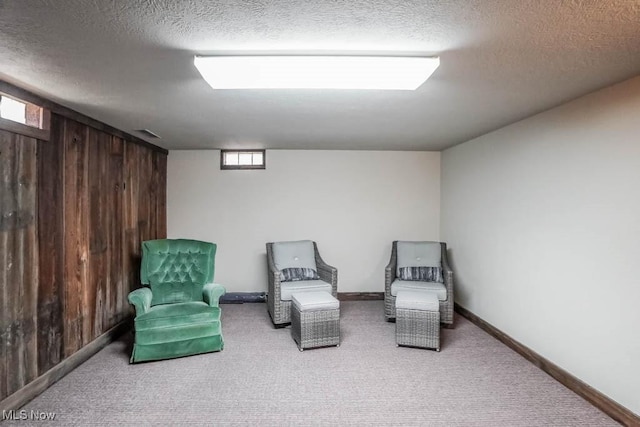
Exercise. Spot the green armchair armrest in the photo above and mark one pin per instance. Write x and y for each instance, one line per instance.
(141, 300)
(211, 293)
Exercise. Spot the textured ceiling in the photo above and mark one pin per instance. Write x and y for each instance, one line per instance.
(130, 64)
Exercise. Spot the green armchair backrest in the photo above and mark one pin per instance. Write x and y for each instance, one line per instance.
(177, 269)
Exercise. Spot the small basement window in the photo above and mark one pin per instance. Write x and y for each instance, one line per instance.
(242, 159)
(23, 117)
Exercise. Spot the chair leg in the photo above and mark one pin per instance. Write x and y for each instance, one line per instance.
(277, 325)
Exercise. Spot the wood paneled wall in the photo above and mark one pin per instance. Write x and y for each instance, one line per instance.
(73, 213)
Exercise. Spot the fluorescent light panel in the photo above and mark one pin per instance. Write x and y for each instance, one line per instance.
(316, 72)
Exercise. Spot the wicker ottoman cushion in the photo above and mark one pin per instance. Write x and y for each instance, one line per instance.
(417, 300)
(414, 285)
(418, 319)
(315, 319)
(287, 289)
(314, 300)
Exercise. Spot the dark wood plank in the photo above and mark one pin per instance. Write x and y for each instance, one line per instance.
(7, 158)
(50, 282)
(593, 396)
(103, 310)
(75, 233)
(116, 297)
(153, 185)
(146, 195)
(103, 283)
(160, 208)
(132, 246)
(97, 235)
(7, 287)
(28, 278)
(19, 275)
(161, 205)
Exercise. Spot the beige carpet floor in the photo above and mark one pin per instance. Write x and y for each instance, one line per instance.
(261, 379)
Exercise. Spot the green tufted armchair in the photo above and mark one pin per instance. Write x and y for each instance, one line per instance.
(178, 314)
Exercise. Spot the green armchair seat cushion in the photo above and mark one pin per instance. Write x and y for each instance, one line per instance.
(177, 322)
(180, 314)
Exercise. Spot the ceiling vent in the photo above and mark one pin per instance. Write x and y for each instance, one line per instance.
(148, 133)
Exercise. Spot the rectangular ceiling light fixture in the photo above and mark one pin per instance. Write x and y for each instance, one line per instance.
(316, 72)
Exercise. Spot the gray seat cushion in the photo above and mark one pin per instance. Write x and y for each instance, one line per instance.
(417, 300)
(314, 300)
(418, 254)
(288, 288)
(298, 254)
(413, 285)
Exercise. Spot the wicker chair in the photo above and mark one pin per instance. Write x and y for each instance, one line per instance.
(290, 254)
(446, 304)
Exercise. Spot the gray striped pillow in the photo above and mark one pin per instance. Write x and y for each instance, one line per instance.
(297, 274)
(423, 274)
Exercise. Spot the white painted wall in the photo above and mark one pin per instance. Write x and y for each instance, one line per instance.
(543, 223)
(352, 203)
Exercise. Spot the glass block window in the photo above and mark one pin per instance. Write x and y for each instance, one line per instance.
(242, 159)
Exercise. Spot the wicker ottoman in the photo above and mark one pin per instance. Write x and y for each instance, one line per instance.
(418, 319)
(315, 319)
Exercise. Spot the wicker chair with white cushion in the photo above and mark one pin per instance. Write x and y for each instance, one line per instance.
(295, 267)
(419, 266)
